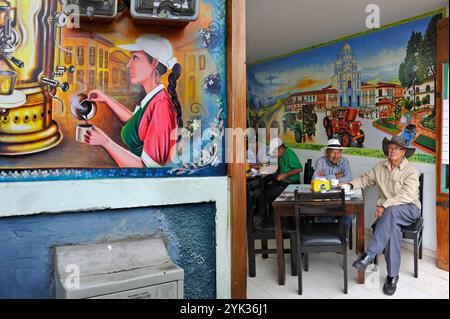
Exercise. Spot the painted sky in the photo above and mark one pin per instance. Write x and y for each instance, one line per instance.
(378, 54)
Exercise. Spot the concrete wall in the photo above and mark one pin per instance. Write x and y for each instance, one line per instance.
(360, 165)
(25, 240)
(26, 267)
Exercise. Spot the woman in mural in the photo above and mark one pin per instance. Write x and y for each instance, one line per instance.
(149, 132)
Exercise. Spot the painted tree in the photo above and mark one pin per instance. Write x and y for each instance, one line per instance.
(407, 72)
(426, 61)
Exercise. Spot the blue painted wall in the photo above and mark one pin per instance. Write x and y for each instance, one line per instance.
(26, 266)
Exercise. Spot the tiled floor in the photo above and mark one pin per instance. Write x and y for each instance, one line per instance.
(325, 279)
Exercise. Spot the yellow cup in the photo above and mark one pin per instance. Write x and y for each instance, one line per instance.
(7, 82)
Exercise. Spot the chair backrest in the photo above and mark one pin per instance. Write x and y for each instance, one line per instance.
(320, 204)
(309, 170)
(254, 194)
(421, 193)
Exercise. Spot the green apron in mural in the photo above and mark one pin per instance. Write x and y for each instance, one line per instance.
(130, 135)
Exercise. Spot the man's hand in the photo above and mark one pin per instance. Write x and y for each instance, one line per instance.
(379, 212)
(281, 177)
(339, 175)
(320, 173)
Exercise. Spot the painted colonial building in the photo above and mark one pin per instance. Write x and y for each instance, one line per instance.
(347, 79)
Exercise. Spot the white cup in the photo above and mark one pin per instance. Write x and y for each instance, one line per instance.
(334, 182)
(81, 131)
(346, 188)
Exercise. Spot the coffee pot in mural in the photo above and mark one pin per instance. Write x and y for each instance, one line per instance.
(28, 84)
(83, 109)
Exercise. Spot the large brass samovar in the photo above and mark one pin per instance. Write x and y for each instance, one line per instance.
(27, 126)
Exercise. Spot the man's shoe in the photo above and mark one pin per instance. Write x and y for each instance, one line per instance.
(390, 285)
(362, 262)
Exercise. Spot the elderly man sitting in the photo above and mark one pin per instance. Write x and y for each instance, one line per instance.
(289, 168)
(333, 166)
(398, 205)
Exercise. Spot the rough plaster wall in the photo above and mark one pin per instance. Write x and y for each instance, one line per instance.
(26, 269)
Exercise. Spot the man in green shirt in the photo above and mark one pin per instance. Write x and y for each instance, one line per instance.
(289, 169)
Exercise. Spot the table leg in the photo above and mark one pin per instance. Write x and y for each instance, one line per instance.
(360, 238)
(280, 248)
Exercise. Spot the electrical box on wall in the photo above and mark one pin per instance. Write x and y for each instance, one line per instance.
(169, 11)
(138, 269)
(94, 8)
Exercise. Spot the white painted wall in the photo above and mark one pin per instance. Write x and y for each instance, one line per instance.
(276, 27)
(360, 165)
(28, 198)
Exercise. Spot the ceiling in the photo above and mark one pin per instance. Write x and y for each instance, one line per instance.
(277, 27)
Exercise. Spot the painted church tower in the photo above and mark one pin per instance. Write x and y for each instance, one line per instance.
(347, 79)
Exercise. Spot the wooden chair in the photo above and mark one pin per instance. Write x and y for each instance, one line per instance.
(320, 237)
(261, 226)
(413, 231)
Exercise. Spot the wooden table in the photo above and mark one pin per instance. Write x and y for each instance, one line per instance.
(284, 206)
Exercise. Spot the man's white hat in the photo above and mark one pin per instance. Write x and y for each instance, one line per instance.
(155, 46)
(274, 144)
(334, 144)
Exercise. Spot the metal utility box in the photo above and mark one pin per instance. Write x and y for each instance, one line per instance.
(138, 269)
(165, 11)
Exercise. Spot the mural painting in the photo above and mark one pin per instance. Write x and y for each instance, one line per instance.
(358, 89)
(110, 99)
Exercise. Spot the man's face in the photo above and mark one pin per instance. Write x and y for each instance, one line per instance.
(334, 156)
(280, 151)
(395, 152)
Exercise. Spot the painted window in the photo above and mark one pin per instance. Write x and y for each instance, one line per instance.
(106, 81)
(100, 79)
(100, 58)
(80, 55)
(428, 88)
(192, 63)
(202, 62)
(68, 56)
(349, 84)
(106, 59)
(80, 79)
(92, 55)
(91, 79)
(69, 77)
(115, 76)
(380, 93)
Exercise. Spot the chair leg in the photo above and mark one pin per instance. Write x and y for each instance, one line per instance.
(375, 260)
(344, 253)
(420, 244)
(306, 262)
(293, 256)
(264, 246)
(251, 257)
(416, 263)
(299, 271)
(350, 236)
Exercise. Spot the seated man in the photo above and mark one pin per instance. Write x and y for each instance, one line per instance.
(333, 165)
(398, 205)
(289, 169)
